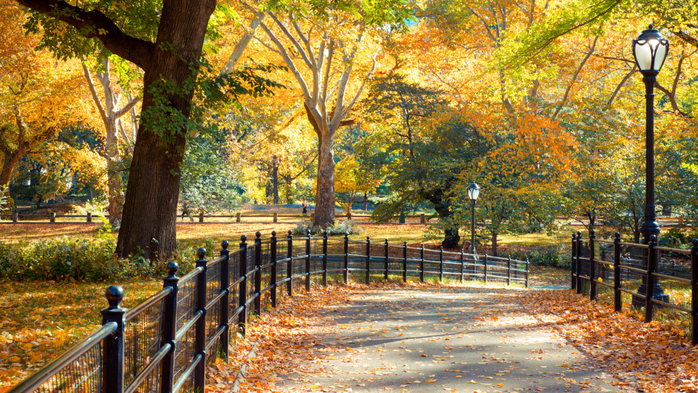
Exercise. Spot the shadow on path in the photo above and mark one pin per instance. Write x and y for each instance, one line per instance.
(436, 339)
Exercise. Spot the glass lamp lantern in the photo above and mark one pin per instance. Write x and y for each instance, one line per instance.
(473, 191)
(650, 50)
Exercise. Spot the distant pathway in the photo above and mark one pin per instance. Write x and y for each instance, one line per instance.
(436, 339)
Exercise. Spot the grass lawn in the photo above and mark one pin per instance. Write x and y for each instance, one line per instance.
(40, 320)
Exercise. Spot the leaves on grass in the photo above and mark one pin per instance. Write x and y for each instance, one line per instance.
(646, 355)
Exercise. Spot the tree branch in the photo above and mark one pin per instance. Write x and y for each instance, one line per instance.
(574, 78)
(94, 24)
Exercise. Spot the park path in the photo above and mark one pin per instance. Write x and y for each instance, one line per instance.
(441, 338)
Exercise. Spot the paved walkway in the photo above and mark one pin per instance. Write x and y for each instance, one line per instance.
(445, 339)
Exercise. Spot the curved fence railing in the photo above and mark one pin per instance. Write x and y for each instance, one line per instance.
(621, 272)
(165, 343)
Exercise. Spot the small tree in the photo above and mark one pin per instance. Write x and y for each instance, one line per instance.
(353, 181)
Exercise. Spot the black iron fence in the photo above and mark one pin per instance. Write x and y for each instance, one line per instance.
(164, 344)
(641, 272)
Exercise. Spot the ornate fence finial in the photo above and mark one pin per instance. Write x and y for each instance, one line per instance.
(114, 295)
(172, 268)
(224, 244)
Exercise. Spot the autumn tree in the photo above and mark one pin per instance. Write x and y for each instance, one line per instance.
(113, 103)
(166, 42)
(37, 94)
(323, 44)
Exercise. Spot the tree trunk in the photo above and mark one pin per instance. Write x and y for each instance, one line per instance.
(325, 197)
(150, 209)
(114, 184)
(8, 165)
(451, 238)
(494, 244)
(275, 179)
(366, 201)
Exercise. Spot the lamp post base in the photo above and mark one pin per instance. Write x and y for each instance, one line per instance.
(657, 294)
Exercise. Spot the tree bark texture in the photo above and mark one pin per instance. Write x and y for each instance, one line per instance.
(325, 195)
(150, 209)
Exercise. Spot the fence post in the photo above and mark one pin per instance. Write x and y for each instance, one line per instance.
(289, 264)
(200, 342)
(694, 292)
(346, 258)
(484, 268)
(441, 264)
(242, 288)
(651, 266)
(237, 217)
(387, 260)
(368, 259)
(579, 262)
(324, 258)
(52, 217)
(89, 217)
(258, 273)
(201, 216)
(617, 300)
(462, 265)
(422, 220)
(15, 217)
(169, 327)
(592, 265)
(508, 270)
(307, 261)
(421, 263)
(404, 262)
(573, 279)
(113, 347)
(276, 217)
(528, 265)
(272, 280)
(225, 300)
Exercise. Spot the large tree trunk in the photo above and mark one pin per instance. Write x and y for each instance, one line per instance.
(150, 209)
(494, 244)
(325, 196)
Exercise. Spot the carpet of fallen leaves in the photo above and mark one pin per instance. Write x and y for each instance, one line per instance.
(38, 323)
(279, 342)
(643, 355)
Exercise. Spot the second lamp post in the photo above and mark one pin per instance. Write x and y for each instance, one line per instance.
(473, 193)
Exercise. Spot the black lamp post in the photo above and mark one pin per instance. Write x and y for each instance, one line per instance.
(473, 193)
(650, 50)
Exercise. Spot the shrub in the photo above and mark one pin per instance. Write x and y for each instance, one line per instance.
(554, 256)
(66, 259)
(348, 227)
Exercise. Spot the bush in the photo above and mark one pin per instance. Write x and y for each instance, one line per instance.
(553, 256)
(66, 259)
(348, 227)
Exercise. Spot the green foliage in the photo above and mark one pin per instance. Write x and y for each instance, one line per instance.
(392, 13)
(212, 93)
(139, 19)
(91, 260)
(209, 182)
(347, 227)
(552, 256)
